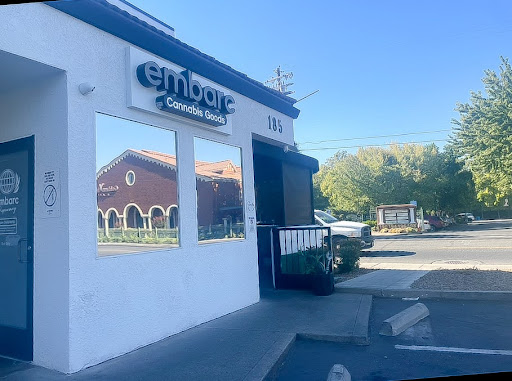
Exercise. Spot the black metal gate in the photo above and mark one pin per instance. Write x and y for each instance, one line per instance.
(299, 252)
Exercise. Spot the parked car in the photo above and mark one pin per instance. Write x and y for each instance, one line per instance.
(465, 217)
(342, 230)
(436, 223)
(448, 220)
(426, 226)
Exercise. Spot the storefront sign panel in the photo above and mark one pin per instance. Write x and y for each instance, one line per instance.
(161, 87)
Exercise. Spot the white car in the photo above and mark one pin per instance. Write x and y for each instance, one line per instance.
(466, 217)
(341, 230)
(426, 226)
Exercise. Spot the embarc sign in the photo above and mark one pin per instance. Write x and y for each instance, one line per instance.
(185, 96)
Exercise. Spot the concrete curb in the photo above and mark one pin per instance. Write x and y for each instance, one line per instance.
(361, 324)
(268, 365)
(398, 323)
(359, 340)
(360, 330)
(429, 294)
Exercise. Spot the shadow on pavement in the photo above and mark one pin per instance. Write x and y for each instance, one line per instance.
(423, 236)
(386, 253)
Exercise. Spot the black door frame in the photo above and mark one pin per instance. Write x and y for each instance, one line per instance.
(18, 343)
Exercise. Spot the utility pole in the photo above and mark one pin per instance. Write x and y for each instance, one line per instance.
(279, 82)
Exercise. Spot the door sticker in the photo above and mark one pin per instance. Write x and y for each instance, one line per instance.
(9, 182)
(51, 193)
(8, 226)
(9, 201)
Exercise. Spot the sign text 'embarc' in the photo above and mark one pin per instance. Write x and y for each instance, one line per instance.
(185, 96)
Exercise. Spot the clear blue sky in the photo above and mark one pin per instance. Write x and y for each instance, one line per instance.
(382, 67)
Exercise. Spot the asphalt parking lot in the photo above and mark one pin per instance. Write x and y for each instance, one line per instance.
(480, 242)
(457, 338)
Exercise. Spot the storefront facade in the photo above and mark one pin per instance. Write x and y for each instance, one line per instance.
(86, 88)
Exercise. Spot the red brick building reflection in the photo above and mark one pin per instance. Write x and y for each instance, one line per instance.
(138, 189)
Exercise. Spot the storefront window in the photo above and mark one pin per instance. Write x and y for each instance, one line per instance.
(219, 191)
(137, 191)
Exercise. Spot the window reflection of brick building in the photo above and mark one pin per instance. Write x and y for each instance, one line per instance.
(219, 193)
(138, 190)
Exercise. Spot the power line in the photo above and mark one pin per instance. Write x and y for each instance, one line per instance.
(375, 137)
(372, 145)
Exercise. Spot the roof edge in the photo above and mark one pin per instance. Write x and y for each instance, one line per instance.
(107, 17)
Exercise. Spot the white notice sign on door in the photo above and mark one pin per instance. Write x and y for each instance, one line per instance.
(51, 193)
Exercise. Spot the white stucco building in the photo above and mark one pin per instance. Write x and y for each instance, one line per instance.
(80, 83)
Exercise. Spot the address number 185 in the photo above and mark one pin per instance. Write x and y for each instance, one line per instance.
(275, 124)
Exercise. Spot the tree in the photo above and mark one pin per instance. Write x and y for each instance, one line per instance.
(483, 136)
(319, 200)
(456, 187)
(396, 175)
(343, 180)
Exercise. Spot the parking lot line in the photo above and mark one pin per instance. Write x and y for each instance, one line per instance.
(455, 350)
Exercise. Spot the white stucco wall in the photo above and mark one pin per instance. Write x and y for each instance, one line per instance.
(117, 304)
(40, 109)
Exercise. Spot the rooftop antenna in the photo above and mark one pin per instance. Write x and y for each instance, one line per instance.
(279, 82)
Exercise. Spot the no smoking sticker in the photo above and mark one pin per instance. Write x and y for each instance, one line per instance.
(51, 193)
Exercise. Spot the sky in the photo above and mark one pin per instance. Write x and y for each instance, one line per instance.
(382, 67)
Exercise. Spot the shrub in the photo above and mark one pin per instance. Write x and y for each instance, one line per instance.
(158, 222)
(371, 223)
(347, 259)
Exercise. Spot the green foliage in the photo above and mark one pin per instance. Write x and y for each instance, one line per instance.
(316, 261)
(347, 258)
(395, 175)
(483, 136)
(319, 200)
(399, 230)
(371, 223)
(134, 238)
(309, 261)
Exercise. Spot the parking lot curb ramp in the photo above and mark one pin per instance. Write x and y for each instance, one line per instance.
(403, 320)
(429, 294)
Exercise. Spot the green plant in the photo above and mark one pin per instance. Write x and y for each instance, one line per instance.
(371, 223)
(347, 259)
(316, 261)
(158, 222)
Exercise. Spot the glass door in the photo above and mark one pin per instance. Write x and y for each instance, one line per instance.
(16, 247)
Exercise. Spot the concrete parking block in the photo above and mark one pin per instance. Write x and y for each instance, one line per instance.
(339, 373)
(403, 320)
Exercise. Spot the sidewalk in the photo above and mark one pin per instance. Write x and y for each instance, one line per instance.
(384, 280)
(397, 283)
(441, 265)
(244, 345)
